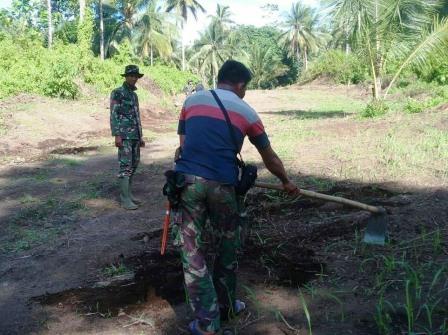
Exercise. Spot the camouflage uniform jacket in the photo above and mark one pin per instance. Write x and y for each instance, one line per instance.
(125, 114)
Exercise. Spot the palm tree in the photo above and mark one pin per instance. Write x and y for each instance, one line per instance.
(222, 17)
(154, 33)
(101, 29)
(384, 30)
(82, 8)
(127, 13)
(181, 7)
(211, 52)
(302, 37)
(265, 66)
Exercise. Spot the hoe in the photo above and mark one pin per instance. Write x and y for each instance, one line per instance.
(376, 230)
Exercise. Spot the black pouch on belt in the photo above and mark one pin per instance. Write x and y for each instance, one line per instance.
(248, 175)
(175, 183)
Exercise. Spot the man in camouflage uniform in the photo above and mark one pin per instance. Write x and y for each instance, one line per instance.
(126, 126)
(207, 160)
(189, 88)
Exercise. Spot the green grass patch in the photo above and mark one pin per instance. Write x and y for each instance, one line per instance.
(26, 238)
(41, 176)
(39, 221)
(66, 161)
(375, 108)
(427, 150)
(49, 210)
(93, 189)
(115, 270)
(28, 199)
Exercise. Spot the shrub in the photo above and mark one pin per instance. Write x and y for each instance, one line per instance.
(29, 67)
(169, 79)
(436, 71)
(337, 65)
(374, 109)
(414, 106)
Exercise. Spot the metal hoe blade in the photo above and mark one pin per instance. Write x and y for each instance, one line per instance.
(376, 231)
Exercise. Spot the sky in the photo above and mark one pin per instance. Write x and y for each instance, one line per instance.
(247, 12)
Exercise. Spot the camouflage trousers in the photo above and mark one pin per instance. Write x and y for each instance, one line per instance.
(128, 157)
(210, 283)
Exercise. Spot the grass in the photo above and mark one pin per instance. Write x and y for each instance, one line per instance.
(66, 161)
(427, 151)
(307, 312)
(27, 238)
(400, 147)
(409, 283)
(42, 218)
(115, 270)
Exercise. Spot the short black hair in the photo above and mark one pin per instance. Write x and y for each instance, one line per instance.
(234, 72)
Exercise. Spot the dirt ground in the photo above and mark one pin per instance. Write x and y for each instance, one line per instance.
(73, 262)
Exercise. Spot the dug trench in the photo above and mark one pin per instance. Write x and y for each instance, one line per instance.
(281, 249)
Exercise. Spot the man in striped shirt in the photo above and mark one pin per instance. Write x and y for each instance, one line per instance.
(208, 161)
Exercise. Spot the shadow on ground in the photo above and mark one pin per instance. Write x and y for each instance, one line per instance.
(310, 114)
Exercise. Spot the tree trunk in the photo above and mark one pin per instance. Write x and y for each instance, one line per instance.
(101, 30)
(183, 46)
(50, 24)
(347, 43)
(305, 59)
(298, 56)
(213, 77)
(183, 52)
(152, 55)
(82, 9)
(378, 58)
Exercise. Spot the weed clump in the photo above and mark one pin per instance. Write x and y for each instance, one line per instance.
(374, 109)
(414, 106)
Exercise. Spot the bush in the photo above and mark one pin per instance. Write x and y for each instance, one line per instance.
(374, 109)
(414, 106)
(436, 71)
(169, 79)
(337, 65)
(29, 67)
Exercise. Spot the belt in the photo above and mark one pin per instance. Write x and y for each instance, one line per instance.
(191, 178)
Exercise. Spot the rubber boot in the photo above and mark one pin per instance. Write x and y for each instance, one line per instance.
(126, 201)
(131, 195)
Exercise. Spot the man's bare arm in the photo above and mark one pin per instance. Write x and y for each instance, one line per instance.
(274, 164)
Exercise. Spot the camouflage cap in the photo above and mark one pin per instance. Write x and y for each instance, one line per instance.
(132, 70)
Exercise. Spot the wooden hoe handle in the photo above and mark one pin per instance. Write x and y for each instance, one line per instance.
(315, 195)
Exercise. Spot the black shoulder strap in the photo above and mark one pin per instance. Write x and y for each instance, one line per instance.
(229, 124)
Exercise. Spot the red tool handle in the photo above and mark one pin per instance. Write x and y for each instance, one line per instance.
(166, 226)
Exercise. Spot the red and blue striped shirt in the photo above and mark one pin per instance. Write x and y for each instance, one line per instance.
(208, 150)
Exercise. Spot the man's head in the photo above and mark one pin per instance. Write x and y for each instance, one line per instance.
(236, 75)
(132, 74)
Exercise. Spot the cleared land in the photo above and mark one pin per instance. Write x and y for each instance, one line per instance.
(73, 262)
